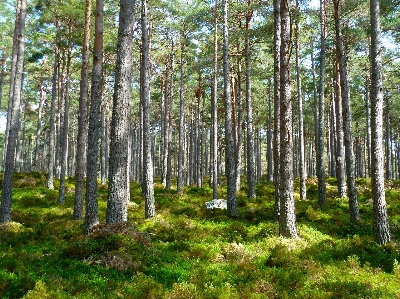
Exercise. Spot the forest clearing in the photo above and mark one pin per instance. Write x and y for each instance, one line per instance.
(189, 252)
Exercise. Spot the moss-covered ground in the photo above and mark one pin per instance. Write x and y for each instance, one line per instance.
(188, 252)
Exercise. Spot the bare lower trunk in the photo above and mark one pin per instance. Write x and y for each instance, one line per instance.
(92, 214)
(118, 196)
(82, 118)
(381, 224)
(229, 141)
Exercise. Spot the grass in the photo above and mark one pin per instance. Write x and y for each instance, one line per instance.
(188, 252)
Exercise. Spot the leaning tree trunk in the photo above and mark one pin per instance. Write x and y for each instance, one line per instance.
(118, 196)
(15, 99)
(277, 88)
(229, 141)
(348, 134)
(92, 214)
(381, 223)
(321, 106)
(249, 119)
(82, 118)
(287, 220)
(148, 190)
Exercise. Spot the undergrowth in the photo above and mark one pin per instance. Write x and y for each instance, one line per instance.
(189, 252)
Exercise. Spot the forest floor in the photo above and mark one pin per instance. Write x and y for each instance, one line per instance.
(189, 252)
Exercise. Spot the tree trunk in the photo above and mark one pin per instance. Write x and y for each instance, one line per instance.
(181, 154)
(118, 196)
(64, 131)
(321, 106)
(92, 214)
(249, 119)
(348, 134)
(340, 168)
(381, 224)
(39, 125)
(147, 183)
(82, 118)
(50, 168)
(277, 88)
(229, 141)
(214, 109)
(15, 94)
(287, 220)
(368, 126)
(302, 167)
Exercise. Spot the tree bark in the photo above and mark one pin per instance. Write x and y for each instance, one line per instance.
(381, 224)
(82, 118)
(147, 183)
(340, 168)
(229, 141)
(277, 88)
(214, 109)
(118, 196)
(92, 214)
(348, 134)
(15, 95)
(249, 119)
(50, 168)
(65, 128)
(321, 107)
(302, 167)
(287, 220)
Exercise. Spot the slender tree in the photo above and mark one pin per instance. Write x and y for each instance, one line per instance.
(15, 95)
(82, 117)
(321, 107)
(249, 107)
(277, 88)
(118, 196)
(302, 168)
(92, 217)
(381, 224)
(287, 220)
(148, 188)
(229, 141)
(348, 134)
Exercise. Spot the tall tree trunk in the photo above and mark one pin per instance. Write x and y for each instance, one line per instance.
(15, 96)
(168, 181)
(147, 183)
(65, 126)
(302, 167)
(321, 106)
(340, 168)
(239, 108)
(287, 220)
(348, 134)
(181, 154)
(388, 173)
(214, 109)
(229, 141)
(277, 91)
(50, 168)
(82, 118)
(92, 214)
(381, 223)
(118, 196)
(249, 107)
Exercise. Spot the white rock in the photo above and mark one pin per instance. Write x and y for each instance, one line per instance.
(216, 204)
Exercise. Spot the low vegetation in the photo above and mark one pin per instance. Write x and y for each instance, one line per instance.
(188, 252)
